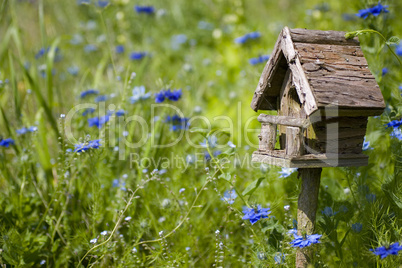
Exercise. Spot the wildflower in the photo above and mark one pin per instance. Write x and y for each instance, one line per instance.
(134, 250)
(103, 4)
(328, 212)
(104, 233)
(385, 251)
(100, 98)
(119, 49)
(260, 59)
(120, 112)
(217, 232)
(83, 147)
(178, 123)
(73, 70)
(375, 11)
(279, 258)
(286, 172)
(384, 71)
(357, 227)
(255, 214)
(396, 133)
(178, 40)
(366, 145)
(243, 39)
(88, 111)
(139, 94)
(182, 190)
(161, 233)
(231, 145)
(208, 156)
(93, 241)
(98, 121)
(83, 2)
(398, 51)
(160, 96)
(394, 123)
(144, 9)
(127, 218)
(292, 232)
(174, 95)
(7, 142)
(302, 242)
(42, 262)
(229, 196)
(212, 142)
(89, 92)
(137, 55)
(26, 130)
(115, 183)
(90, 48)
(286, 208)
(203, 25)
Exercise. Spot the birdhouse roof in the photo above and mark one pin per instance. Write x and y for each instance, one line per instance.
(326, 69)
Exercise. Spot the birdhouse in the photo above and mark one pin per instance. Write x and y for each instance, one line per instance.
(323, 91)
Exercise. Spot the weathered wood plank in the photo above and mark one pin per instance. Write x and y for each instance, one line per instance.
(267, 76)
(309, 161)
(322, 37)
(283, 120)
(267, 137)
(299, 77)
(293, 141)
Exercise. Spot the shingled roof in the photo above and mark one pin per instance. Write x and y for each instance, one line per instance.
(327, 69)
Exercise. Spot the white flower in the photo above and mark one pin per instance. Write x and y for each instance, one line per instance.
(286, 172)
(161, 233)
(127, 218)
(93, 241)
(104, 233)
(217, 232)
(286, 208)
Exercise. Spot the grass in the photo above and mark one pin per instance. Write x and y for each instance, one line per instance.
(54, 201)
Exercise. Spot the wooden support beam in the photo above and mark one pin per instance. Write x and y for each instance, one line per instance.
(267, 137)
(322, 37)
(283, 120)
(293, 141)
(306, 211)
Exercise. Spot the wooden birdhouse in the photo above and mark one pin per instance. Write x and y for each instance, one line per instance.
(320, 85)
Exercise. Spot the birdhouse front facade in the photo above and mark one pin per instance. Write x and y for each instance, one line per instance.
(320, 85)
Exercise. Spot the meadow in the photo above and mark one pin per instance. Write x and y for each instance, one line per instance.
(126, 136)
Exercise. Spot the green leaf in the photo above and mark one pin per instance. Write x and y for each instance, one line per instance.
(393, 40)
(225, 176)
(252, 187)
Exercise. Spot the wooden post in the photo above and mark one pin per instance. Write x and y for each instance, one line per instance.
(306, 211)
(267, 137)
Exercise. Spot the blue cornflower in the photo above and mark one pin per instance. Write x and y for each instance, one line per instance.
(160, 96)
(255, 214)
(139, 94)
(26, 130)
(385, 251)
(7, 142)
(90, 48)
(328, 212)
(286, 172)
(98, 121)
(302, 242)
(73, 70)
(119, 49)
(88, 111)
(398, 49)
(83, 147)
(366, 145)
(357, 227)
(292, 232)
(145, 9)
(279, 258)
(260, 59)
(375, 11)
(396, 133)
(212, 142)
(137, 55)
(229, 196)
(100, 98)
(174, 95)
(89, 92)
(384, 71)
(40, 53)
(394, 123)
(120, 112)
(103, 4)
(178, 123)
(243, 39)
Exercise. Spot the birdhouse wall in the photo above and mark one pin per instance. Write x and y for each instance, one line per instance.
(338, 135)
